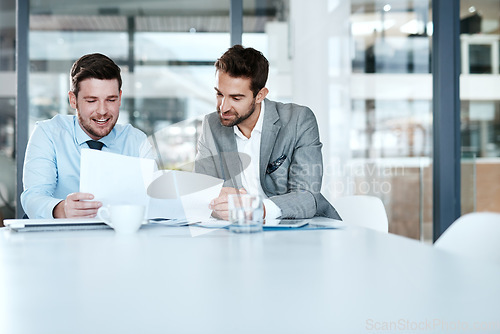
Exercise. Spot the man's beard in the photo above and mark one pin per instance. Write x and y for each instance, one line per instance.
(238, 119)
(90, 130)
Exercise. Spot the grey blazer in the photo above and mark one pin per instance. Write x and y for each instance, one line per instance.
(291, 164)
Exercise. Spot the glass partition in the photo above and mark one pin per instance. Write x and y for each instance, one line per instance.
(391, 113)
(363, 67)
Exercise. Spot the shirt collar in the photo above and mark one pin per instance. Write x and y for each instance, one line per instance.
(257, 127)
(82, 137)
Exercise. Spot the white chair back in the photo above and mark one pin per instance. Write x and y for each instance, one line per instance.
(475, 235)
(361, 210)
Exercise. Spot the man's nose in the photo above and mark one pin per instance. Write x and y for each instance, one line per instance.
(225, 105)
(101, 109)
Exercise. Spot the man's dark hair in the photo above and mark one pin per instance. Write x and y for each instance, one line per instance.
(238, 62)
(96, 66)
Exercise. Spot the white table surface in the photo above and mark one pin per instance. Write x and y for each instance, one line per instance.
(165, 280)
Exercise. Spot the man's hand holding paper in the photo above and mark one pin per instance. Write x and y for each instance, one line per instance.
(77, 205)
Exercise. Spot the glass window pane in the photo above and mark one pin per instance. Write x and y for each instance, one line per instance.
(166, 51)
(7, 109)
(266, 28)
(480, 58)
(480, 105)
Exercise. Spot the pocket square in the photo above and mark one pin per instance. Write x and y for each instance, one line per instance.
(273, 166)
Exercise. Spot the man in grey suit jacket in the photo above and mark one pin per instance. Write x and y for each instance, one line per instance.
(260, 146)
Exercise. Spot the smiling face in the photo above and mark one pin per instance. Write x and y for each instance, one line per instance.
(236, 104)
(97, 106)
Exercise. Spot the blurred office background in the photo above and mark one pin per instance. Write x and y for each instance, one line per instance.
(363, 66)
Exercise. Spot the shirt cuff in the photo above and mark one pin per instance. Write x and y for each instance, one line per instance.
(49, 209)
(272, 210)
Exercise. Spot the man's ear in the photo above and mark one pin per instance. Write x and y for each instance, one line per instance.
(261, 95)
(72, 100)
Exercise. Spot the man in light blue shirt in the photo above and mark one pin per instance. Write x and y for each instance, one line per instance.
(51, 174)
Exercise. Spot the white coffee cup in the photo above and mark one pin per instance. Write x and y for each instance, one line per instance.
(123, 218)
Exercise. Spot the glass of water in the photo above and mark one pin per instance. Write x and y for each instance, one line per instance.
(245, 213)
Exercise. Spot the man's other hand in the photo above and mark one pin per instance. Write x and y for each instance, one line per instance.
(219, 205)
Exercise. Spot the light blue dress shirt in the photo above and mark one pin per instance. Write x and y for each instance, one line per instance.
(52, 162)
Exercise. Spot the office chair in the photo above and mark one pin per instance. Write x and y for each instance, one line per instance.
(475, 235)
(361, 210)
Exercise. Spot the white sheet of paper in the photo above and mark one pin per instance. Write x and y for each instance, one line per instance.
(114, 178)
(166, 208)
(194, 191)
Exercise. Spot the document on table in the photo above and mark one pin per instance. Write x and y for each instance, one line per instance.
(118, 179)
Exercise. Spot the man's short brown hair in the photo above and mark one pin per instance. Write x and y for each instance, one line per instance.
(238, 62)
(96, 66)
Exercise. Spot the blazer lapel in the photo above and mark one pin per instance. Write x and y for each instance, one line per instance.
(270, 129)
